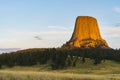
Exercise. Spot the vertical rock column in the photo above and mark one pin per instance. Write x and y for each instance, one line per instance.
(86, 34)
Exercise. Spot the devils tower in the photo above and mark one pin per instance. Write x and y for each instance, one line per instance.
(86, 34)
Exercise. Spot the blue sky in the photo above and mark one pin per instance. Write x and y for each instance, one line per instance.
(50, 23)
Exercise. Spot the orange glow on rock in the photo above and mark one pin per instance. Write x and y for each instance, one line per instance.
(86, 34)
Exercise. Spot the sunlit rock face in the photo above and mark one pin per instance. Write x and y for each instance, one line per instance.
(86, 34)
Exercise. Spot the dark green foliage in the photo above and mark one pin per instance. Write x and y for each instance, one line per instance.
(58, 58)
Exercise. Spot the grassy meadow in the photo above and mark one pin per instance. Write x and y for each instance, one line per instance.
(108, 70)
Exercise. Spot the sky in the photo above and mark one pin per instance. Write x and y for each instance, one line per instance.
(50, 23)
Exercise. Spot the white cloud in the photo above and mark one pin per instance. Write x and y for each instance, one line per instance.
(52, 38)
(58, 38)
(111, 35)
(116, 9)
(25, 39)
(111, 31)
(60, 28)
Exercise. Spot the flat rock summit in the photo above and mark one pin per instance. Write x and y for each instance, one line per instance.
(86, 34)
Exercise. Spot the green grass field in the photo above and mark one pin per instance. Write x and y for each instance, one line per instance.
(108, 70)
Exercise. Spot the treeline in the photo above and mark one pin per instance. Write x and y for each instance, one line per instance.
(58, 58)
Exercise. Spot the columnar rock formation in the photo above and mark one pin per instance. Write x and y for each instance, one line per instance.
(86, 34)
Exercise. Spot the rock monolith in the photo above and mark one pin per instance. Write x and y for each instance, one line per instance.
(86, 34)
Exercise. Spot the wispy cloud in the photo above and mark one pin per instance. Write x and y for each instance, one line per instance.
(117, 25)
(116, 9)
(34, 39)
(112, 32)
(59, 28)
(38, 37)
(53, 38)
(111, 35)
